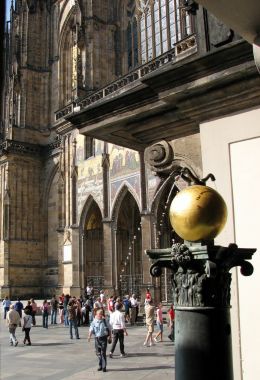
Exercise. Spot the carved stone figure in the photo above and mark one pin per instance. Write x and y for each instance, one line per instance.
(32, 5)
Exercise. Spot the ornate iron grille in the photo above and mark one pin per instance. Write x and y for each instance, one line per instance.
(131, 284)
(166, 287)
(97, 282)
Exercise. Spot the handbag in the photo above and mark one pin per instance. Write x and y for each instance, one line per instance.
(23, 329)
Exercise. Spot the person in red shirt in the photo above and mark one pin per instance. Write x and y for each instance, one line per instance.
(148, 296)
(171, 322)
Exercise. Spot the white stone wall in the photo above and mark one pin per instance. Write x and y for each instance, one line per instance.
(231, 151)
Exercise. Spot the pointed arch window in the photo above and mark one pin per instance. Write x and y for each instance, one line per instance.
(132, 38)
(89, 147)
(162, 23)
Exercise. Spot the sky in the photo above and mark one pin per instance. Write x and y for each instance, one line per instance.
(7, 11)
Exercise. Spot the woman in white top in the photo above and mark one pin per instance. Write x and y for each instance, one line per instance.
(27, 324)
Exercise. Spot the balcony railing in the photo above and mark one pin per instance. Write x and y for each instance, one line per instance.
(188, 45)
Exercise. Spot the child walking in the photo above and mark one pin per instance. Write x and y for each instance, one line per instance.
(159, 322)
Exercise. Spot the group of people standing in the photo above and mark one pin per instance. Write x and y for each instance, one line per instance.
(107, 318)
(113, 328)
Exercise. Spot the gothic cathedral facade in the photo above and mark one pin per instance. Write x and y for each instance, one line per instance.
(104, 102)
(78, 209)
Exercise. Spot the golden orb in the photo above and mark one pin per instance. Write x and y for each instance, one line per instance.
(198, 213)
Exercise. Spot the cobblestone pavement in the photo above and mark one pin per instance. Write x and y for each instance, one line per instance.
(53, 355)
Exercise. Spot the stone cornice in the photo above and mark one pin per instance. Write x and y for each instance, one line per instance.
(185, 48)
(35, 150)
(11, 146)
(171, 101)
(62, 126)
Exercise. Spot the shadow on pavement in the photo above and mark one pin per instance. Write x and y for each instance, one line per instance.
(132, 355)
(51, 344)
(140, 368)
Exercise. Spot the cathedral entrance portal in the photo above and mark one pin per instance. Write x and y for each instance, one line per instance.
(129, 247)
(93, 249)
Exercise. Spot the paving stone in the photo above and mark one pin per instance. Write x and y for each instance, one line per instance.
(53, 355)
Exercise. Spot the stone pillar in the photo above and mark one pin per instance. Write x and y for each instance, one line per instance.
(60, 259)
(146, 226)
(75, 289)
(201, 287)
(108, 256)
(114, 262)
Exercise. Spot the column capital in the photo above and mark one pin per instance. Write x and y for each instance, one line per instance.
(201, 275)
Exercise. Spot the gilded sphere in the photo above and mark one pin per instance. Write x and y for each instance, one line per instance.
(198, 213)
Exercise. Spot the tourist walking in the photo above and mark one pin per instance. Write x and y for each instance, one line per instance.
(159, 323)
(6, 305)
(19, 308)
(79, 312)
(65, 309)
(54, 309)
(72, 318)
(102, 331)
(117, 322)
(12, 320)
(45, 314)
(89, 292)
(148, 296)
(171, 316)
(111, 305)
(27, 324)
(29, 307)
(61, 309)
(127, 306)
(149, 320)
(34, 311)
(102, 297)
(86, 310)
(134, 309)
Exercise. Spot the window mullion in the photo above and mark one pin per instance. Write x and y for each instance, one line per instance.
(153, 30)
(160, 24)
(176, 20)
(182, 22)
(168, 25)
(139, 42)
(146, 37)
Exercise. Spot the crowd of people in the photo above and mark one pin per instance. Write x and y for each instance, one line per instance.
(106, 316)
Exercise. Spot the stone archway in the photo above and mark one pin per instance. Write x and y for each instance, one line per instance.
(129, 246)
(164, 234)
(93, 253)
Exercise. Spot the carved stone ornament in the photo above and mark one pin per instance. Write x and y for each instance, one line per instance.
(201, 275)
(190, 7)
(160, 158)
(32, 4)
(142, 5)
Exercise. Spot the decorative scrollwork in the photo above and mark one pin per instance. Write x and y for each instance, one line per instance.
(191, 179)
(156, 271)
(160, 157)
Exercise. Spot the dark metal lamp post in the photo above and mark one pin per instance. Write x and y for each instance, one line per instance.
(201, 288)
